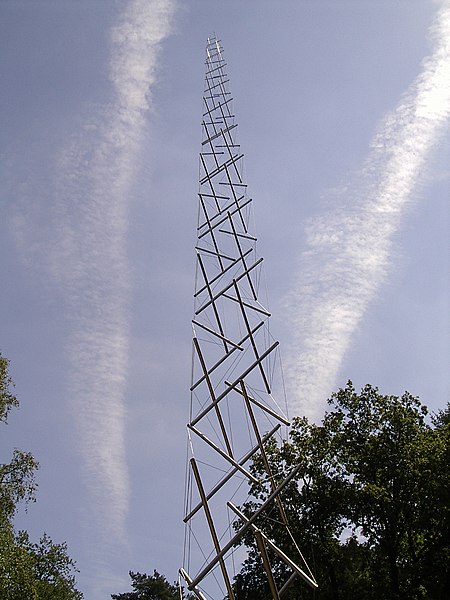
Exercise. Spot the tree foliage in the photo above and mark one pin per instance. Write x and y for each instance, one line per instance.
(35, 571)
(369, 506)
(150, 587)
(28, 571)
(7, 399)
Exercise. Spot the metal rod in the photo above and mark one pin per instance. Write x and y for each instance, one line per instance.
(214, 279)
(227, 457)
(223, 167)
(233, 385)
(238, 244)
(212, 528)
(266, 563)
(230, 474)
(206, 171)
(252, 339)
(258, 309)
(221, 132)
(188, 580)
(223, 338)
(263, 453)
(262, 406)
(218, 105)
(212, 393)
(212, 299)
(242, 235)
(225, 209)
(224, 357)
(241, 206)
(214, 253)
(288, 583)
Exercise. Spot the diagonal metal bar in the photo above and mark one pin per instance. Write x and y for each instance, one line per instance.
(218, 134)
(262, 450)
(212, 528)
(210, 196)
(231, 473)
(258, 309)
(226, 208)
(213, 150)
(262, 406)
(213, 253)
(233, 185)
(212, 394)
(233, 385)
(224, 357)
(229, 146)
(252, 339)
(288, 583)
(214, 241)
(222, 167)
(217, 277)
(227, 136)
(239, 247)
(188, 579)
(222, 453)
(209, 330)
(205, 168)
(215, 69)
(266, 564)
(225, 218)
(212, 300)
(217, 106)
(239, 234)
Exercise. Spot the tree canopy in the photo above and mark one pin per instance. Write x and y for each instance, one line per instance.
(369, 506)
(150, 587)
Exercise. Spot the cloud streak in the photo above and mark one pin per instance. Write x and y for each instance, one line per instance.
(348, 249)
(88, 258)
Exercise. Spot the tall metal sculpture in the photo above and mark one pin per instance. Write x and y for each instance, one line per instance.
(235, 364)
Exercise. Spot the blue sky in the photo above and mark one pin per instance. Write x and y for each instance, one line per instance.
(345, 135)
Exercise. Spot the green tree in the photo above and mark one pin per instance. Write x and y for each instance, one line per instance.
(7, 399)
(28, 571)
(17, 481)
(35, 571)
(370, 504)
(150, 587)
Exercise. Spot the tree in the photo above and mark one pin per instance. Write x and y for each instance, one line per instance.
(32, 571)
(150, 587)
(35, 571)
(395, 462)
(17, 481)
(7, 398)
(370, 504)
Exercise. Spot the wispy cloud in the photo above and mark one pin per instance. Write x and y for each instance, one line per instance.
(348, 249)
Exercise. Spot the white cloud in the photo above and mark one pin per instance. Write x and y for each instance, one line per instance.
(348, 249)
(97, 172)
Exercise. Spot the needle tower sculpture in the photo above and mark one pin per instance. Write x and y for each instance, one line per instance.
(235, 369)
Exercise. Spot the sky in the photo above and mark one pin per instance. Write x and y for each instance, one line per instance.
(343, 111)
